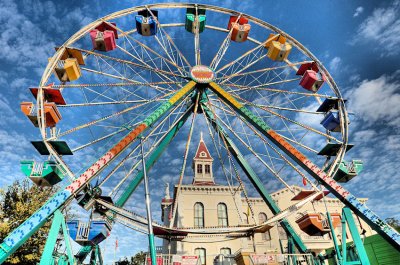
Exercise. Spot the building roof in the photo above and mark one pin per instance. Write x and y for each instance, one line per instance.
(202, 151)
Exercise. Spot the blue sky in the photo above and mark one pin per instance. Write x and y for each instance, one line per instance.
(356, 40)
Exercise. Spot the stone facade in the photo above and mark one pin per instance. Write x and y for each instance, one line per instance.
(214, 199)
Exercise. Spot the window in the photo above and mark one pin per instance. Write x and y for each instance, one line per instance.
(198, 215)
(262, 217)
(225, 251)
(203, 154)
(199, 168)
(245, 218)
(207, 169)
(282, 232)
(222, 214)
(201, 253)
(246, 221)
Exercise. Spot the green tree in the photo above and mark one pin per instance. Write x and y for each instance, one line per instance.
(138, 259)
(17, 203)
(393, 222)
(123, 262)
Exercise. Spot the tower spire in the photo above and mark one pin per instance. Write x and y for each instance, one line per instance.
(202, 165)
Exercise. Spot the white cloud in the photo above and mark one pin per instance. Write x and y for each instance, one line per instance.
(358, 11)
(383, 28)
(377, 100)
(335, 63)
(25, 41)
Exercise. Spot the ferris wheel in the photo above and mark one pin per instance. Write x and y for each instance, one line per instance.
(267, 103)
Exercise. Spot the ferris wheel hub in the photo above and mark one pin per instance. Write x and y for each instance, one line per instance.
(202, 74)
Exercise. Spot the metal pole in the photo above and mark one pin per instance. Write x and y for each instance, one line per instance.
(149, 220)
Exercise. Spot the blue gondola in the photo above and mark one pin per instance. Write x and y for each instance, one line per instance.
(331, 122)
(89, 233)
(146, 24)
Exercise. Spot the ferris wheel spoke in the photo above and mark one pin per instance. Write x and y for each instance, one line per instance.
(249, 64)
(162, 74)
(262, 106)
(134, 72)
(223, 48)
(98, 140)
(143, 66)
(91, 104)
(280, 155)
(185, 156)
(261, 86)
(218, 147)
(166, 42)
(217, 120)
(146, 49)
(259, 78)
(230, 171)
(158, 88)
(263, 70)
(230, 148)
(284, 119)
(113, 84)
(197, 53)
(309, 128)
(248, 56)
(182, 115)
(170, 55)
(98, 94)
(274, 90)
(103, 94)
(149, 52)
(91, 123)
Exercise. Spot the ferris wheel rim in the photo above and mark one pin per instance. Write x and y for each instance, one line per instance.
(78, 35)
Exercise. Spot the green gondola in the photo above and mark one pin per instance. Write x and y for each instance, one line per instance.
(348, 170)
(192, 21)
(43, 174)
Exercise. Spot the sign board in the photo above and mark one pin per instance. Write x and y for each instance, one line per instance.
(264, 259)
(202, 74)
(189, 260)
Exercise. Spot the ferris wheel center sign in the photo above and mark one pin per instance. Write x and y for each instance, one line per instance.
(202, 74)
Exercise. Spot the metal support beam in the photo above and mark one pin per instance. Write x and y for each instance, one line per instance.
(16, 238)
(362, 254)
(47, 255)
(150, 232)
(329, 183)
(253, 178)
(166, 140)
(96, 258)
(152, 159)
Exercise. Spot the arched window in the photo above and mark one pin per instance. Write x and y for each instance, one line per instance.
(225, 251)
(282, 232)
(207, 169)
(222, 214)
(201, 253)
(246, 221)
(199, 168)
(198, 215)
(245, 218)
(262, 217)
